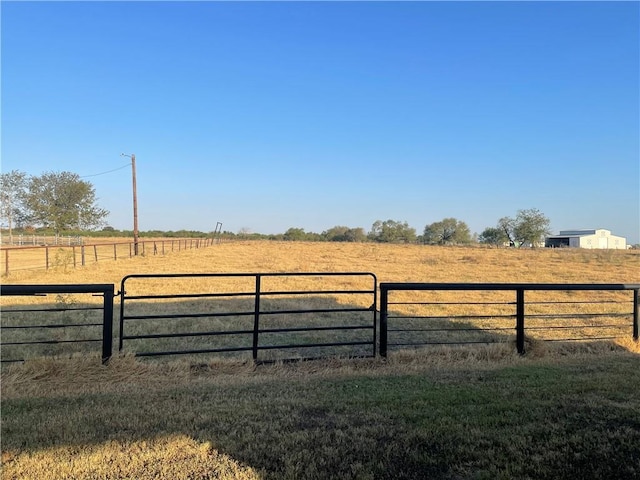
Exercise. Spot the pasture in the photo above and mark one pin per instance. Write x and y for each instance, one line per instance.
(569, 411)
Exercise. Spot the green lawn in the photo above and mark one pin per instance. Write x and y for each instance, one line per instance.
(572, 417)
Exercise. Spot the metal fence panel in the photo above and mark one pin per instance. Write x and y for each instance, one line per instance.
(462, 313)
(57, 323)
(261, 315)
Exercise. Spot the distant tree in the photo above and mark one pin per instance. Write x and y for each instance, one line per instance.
(356, 235)
(12, 191)
(448, 231)
(493, 236)
(62, 201)
(336, 234)
(244, 232)
(295, 234)
(344, 234)
(507, 225)
(528, 228)
(391, 231)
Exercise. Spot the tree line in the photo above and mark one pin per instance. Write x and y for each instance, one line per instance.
(61, 202)
(528, 228)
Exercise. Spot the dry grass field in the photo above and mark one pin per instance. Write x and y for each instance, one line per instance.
(390, 263)
(567, 411)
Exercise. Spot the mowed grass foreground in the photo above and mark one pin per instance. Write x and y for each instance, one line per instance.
(487, 415)
(453, 413)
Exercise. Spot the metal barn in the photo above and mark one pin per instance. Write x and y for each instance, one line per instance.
(598, 238)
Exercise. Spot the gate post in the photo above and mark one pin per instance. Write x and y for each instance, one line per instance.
(636, 307)
(256, 318)
(383, 319)
(520, 320)
(107, 325)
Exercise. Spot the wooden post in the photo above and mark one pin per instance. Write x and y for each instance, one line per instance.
(95, 252)
(46, 257)
(82, 255)
(6, 262)
(74, 255)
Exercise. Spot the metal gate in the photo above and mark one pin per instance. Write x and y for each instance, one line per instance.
(261, 315)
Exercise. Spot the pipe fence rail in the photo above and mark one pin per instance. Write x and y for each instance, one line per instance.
(283, 316)
(251, 312)
(420, 315)
(28, 328)
(63, 256)
(22, 239)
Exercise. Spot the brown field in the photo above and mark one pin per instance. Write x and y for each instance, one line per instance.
(390, 263)
(483, 412)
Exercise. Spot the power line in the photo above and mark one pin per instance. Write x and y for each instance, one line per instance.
(104, 173)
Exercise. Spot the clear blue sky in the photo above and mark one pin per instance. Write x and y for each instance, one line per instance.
(270, 115)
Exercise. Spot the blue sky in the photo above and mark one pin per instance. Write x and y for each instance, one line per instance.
(271, 115)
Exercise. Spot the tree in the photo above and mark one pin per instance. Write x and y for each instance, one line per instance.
(391, 231)
(336, 234)
(355, 235)
(493, 236)
(448, 231)
(62, 201)
(12, 191)
(528, 228)
(295, 234)
(344, 234)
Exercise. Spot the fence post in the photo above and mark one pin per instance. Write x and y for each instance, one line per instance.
(6, 262)
(74, 255)
(384, 296)
(115, 254)
(520, 320)
(82, 255)
(107, 326)
(46, 257)
(636, 307)
(95, 253)
(256, 318)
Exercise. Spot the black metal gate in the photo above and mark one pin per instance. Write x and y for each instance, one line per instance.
(307, 315)
(27, 329)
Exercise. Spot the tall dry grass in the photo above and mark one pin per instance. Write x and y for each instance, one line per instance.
(390, 263)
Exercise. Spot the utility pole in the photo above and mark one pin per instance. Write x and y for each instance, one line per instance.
(135, 202)
(135, 205)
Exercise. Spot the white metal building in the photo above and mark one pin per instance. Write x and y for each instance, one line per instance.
(599, 238)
